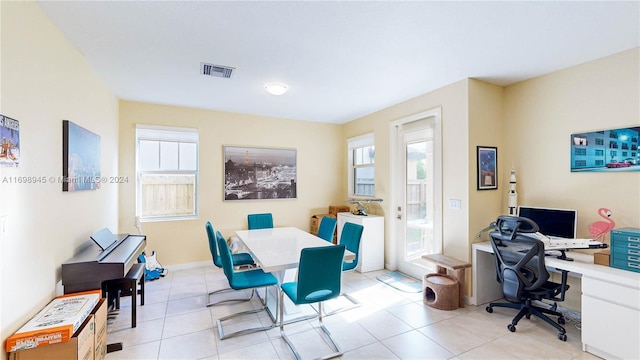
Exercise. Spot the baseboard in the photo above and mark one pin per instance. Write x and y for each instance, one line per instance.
(188, 265)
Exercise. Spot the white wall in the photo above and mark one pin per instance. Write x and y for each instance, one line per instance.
(44, 81)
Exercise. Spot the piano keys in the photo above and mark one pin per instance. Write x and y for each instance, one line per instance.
(90, 267)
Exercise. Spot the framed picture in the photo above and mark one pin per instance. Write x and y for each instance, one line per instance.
(80, 158)
(487, 167)
(614, 150)
(252, 173)
(10, 136)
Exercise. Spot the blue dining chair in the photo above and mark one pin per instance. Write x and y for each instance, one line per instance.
(260, 221)
(244, 280)
(327, 228)
(242, 259)
(319, 279)
(350, 238)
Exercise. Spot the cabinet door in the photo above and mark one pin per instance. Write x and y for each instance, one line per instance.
(371, 243)
(610, 328)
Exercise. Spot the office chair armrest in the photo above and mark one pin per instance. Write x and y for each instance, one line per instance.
(563, 284)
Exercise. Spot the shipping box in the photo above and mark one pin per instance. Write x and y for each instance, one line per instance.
(56, 323)
(601, 257)
(100, 339)
(79, 347)
(334, 210)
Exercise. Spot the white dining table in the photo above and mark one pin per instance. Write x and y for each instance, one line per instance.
(277, 251)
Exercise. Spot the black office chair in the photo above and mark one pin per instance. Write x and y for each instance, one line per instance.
(521, 270)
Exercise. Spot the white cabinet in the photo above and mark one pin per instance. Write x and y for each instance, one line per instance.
(610, 317)
(372, 241)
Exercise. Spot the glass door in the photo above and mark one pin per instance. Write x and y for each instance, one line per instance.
(417, 195)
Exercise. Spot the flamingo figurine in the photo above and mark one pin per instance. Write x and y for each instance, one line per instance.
(599, 229)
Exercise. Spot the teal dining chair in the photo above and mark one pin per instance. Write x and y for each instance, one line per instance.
(350, 238)
(327, 228)
(244, 280)
(319, 279)
(260, 221)
(242, 259)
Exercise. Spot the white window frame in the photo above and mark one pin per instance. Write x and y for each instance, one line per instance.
(353, 144)
(166, 134)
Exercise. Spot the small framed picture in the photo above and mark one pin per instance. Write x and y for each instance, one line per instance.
(487, 167)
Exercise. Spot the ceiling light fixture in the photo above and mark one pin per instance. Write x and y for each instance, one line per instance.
(276, 88)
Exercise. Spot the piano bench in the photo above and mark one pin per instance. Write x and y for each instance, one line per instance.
(128, 285)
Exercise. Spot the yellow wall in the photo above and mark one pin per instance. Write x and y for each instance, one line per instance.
(540, 116)
(45, 80)
(453, 100)
(486, 129)
(320, 153)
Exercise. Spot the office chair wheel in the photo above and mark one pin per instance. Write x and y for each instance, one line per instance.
(562, 336)
(511, 327)
(489, 309)
(561, 320)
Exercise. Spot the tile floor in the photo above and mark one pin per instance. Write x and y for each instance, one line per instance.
(175, 323)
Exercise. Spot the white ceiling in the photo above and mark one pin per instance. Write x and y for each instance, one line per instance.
(341, 59)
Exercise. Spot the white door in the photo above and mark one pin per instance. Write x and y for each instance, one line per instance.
(417, 189)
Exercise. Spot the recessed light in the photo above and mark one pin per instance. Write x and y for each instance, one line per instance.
(276, 88)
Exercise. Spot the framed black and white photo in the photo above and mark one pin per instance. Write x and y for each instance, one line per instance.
(257, 173)
(487, 167)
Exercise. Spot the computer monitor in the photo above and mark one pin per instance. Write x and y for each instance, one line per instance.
(552, 222)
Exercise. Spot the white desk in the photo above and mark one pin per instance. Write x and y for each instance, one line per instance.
(277, 251)
(610, 300)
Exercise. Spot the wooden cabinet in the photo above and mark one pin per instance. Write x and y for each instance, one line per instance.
(372, 241)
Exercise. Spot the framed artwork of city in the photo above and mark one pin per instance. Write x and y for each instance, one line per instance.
(614, 150)
(256, 173)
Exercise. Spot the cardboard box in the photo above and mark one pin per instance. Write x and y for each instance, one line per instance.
(601, 257)
(100, 338)
(79, 347)
(56, 323)
(334, 210)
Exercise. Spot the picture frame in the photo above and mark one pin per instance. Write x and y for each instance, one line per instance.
(80, 158)
(487, 170)
(259, 173)
(10, 142)
(611, 150)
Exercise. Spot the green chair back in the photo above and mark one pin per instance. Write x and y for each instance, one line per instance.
(327, 228)
(213, 247)
(319, 274)
(226, 259)
(260, 221)
(350, 238)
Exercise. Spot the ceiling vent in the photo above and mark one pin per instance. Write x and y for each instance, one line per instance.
(216, 70)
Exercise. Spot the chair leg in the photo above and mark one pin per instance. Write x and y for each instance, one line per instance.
(354, 304)
(539, 312)
(286, 339)
(227, 301)
(244, 331)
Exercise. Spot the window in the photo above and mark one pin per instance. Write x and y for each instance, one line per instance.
(599, 162)
(580, 151)
(599, 141)
(166, 173)
(580, 163)
(361, 165)
(600, 152)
